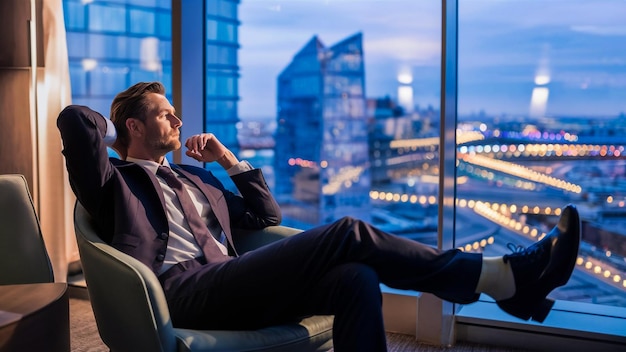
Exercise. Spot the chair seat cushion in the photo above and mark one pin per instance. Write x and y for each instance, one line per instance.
(310, 334)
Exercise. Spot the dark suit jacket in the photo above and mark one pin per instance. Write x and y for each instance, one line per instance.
(127, 202)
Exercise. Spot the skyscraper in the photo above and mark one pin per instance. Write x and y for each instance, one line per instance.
(222, 75)
(321, 160)
(114, 44)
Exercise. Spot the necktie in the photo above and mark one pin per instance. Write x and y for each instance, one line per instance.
(198, 227)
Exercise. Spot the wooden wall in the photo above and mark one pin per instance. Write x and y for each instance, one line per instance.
(17, 130)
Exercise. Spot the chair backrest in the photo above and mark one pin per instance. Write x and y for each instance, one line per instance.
(127, 299)
(23, 255)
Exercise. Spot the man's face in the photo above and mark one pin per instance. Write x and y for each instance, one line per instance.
(162, 126)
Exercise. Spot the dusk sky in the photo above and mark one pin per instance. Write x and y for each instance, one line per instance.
(575, 51)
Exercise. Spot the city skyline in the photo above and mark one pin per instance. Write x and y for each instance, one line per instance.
(573, 54)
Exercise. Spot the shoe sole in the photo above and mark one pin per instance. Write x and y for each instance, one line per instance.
(544, 306)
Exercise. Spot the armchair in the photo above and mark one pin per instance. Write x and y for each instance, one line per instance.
(34, 310)
(23, 253)
(132, 314)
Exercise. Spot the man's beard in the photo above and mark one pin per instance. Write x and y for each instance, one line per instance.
(166, 144)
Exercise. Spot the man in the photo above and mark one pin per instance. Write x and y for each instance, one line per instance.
(332, 269)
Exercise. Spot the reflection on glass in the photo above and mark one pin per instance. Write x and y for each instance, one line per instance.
(113, 44)
(543, 93)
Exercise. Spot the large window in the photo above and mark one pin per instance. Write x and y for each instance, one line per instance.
(351, 91)
(339, 103)
(113, 44)
(541, 104)
(541, 107)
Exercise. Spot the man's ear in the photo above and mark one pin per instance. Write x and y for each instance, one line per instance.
(134, 126)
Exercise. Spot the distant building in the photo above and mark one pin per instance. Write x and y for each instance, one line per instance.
(383, 114)
(222, 75)
(401, 145)
(321, 153)
(113, 44)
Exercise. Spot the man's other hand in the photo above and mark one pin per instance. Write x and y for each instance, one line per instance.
(205, 147)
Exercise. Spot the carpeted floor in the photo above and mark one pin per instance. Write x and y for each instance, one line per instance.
(84, 335)
(83, 331)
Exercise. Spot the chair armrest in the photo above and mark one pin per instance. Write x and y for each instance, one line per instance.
(247, 240)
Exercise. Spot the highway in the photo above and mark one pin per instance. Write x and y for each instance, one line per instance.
(471, 228)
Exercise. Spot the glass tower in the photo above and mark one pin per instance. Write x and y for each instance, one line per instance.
(114, 44)
(222, 74)
(321, 162)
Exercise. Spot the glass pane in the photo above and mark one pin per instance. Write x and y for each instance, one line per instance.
(74, 15)
(107, 46)
(110, 18)
(221, 55)
(106, 56)
(541, 124)
(221, 31)
(142, 22)
(221, 75)
(78, 49)
(108, 78)
(78, 80)
(351, 92)
(220, 85)
(164, 24)
(222, 8)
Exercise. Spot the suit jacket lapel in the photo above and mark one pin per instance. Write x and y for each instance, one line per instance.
(129, 167)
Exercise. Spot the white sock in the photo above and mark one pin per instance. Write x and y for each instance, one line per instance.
(496, 279)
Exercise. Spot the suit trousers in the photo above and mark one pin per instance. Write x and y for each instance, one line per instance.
(334, 269)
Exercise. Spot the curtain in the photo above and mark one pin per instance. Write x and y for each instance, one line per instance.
(56, 199)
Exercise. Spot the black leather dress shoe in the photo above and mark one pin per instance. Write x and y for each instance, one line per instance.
(542, 267)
